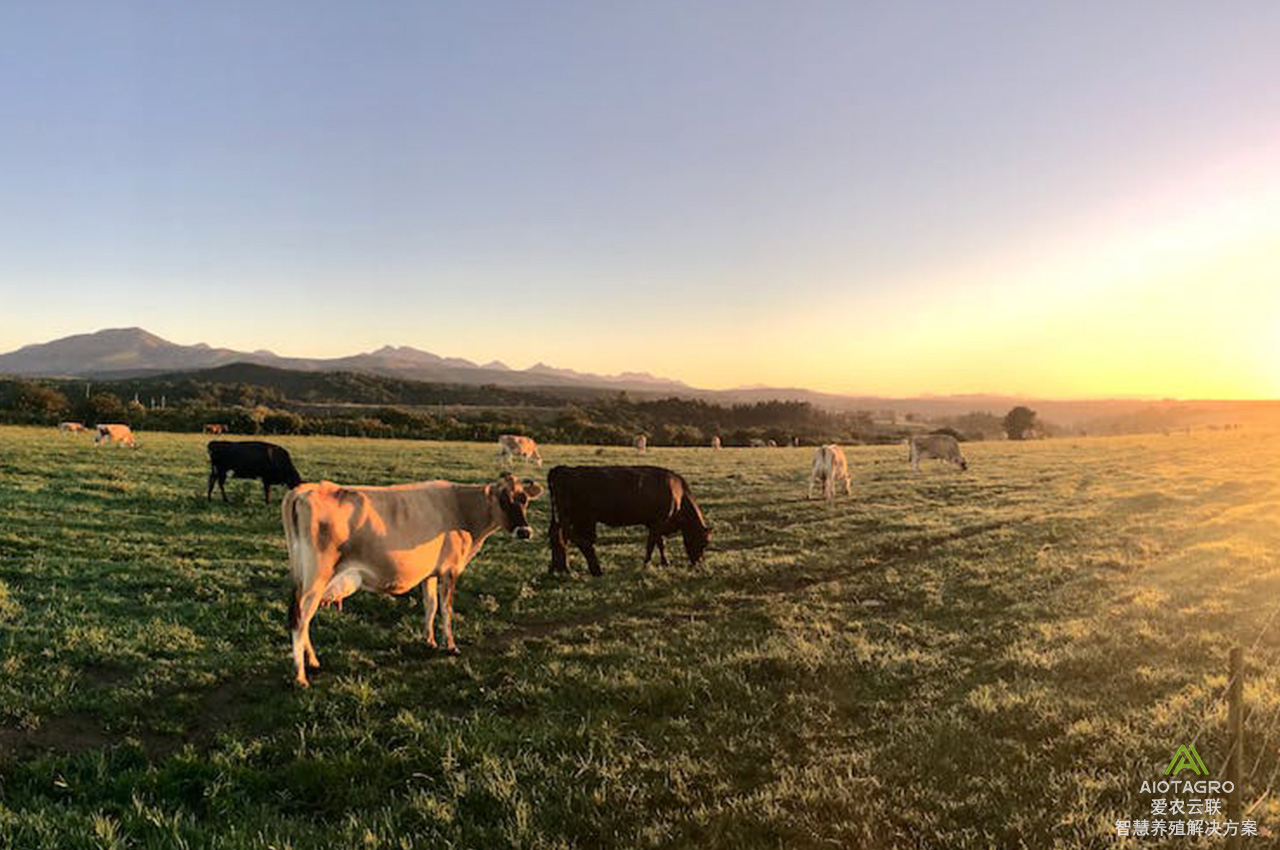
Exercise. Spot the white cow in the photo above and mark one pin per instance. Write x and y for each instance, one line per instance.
(642, 443)
(512, 446)
(70, 427)
(121, 434)
(829, 467)
(715, 443)
(937, 446)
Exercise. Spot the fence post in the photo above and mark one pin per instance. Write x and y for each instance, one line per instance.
(1235, 729)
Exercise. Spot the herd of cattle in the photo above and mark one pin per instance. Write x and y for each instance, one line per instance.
(390, 539)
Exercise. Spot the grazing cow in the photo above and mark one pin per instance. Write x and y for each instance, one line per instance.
(215, 428)
(70, 427)
(757, 443)
(388, 539)
(715, 443)
(250, 459)
(938, 446)
(642, 443)
(829, 467)
(122, 434)
(657, 498)
(771, 444)
(513, 446)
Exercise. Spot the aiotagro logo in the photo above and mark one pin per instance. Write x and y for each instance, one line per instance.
(1185, 806)
(1187, 758)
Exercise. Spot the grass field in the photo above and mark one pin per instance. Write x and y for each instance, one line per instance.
(990, 659)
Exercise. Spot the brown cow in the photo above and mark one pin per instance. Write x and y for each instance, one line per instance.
(388, 540)
(512, 446)
(121, 434)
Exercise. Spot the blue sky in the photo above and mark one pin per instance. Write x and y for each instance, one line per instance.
(835, 195)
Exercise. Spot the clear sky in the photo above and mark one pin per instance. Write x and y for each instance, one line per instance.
(1059, 199)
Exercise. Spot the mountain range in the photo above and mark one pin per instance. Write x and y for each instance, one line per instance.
(124, 353)
(134, 352)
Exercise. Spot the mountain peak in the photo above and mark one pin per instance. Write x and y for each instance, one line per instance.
(134, 351)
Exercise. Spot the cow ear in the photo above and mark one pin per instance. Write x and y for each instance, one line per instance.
(532, 488)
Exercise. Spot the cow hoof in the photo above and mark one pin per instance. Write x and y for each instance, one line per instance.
(453, 650)
(301, 683)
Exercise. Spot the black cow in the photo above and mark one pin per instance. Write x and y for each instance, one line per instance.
(656, 498)
(250, 459)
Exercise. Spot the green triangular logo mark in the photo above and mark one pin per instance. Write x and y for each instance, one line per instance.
(1186, 757)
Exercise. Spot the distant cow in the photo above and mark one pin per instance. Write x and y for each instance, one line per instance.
(771, 444)
(657, 498)
(388, 540)
(938, 446)
(715, 443)
(250, 459)
(757, 443)
(829, 467)
(121, 434)
(215, 428)
(70, 427)
(642, 443)
(512, 446)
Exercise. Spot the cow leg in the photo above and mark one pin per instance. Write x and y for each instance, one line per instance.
(213, 477)
(662, 551)
(449, 645)
(585, 539)
(848, 488)
(588, 549)
(266, 492)
(649, 544)
(559, 547)
(430, 604)
(305, 609)
(222, 484)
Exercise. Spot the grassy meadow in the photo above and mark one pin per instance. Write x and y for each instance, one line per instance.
(991, 659)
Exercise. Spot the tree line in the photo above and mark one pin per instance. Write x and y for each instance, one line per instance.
(372, 406)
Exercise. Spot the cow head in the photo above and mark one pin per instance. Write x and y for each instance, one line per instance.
(694, 530)
(513, 499)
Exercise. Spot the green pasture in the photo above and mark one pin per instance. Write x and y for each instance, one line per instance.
(988, 659)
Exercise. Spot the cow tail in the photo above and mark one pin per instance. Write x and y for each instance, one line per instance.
(292, 531)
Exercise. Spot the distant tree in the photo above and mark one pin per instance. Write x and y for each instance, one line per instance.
(102, 408)
(37, 400)
(679, 435)
(1019, 422)
(281, 422)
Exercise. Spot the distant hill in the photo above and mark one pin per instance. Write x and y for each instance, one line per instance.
(412, 376)
(133, 352)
